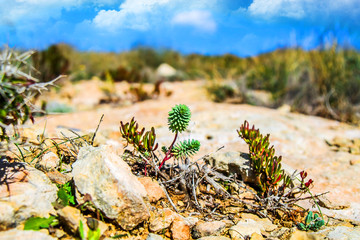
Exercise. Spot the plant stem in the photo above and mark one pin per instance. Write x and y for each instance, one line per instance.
(168, 154)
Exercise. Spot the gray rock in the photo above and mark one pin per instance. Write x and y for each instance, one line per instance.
(233, 163)
(115, 191)
(207, 229)
(344, 233)
(27, 193)
(24, 235)
(153, 236)
(238, 163)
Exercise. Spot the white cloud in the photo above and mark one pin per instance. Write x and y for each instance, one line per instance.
(141, 6)
(304, 8)
(133, 14)
(143, 14)
(282, 8)
(112, 20)
(17, 12)
(199, 19)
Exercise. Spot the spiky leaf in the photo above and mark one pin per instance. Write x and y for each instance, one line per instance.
(186, 148)
(179, 118)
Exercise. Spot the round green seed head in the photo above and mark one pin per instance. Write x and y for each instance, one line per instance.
(179, 118)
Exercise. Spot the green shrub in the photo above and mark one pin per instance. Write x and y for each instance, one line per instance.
(219, 93)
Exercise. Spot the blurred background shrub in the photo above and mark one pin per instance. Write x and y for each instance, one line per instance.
(323, 82)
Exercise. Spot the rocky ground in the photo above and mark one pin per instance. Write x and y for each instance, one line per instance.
(327, 150)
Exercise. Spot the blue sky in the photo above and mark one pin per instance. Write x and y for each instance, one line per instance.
(241, 27)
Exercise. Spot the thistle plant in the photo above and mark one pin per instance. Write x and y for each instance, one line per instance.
(17, 88)
(265, 165)
(145, 142)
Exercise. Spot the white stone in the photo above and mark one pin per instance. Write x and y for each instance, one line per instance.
(114, 190)
(165, 70)
(28, 193)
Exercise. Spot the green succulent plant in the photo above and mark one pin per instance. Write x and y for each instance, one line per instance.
(142, 141)
(312, 222)
(145, 142)
(266, 166)
(179, 118)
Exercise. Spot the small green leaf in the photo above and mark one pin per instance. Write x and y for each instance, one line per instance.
(302, 226)
(81, 230)
(309, 218)
(65, 195)
(37, 223)
(94, 235)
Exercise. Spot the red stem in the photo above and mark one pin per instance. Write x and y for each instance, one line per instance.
(168, 154)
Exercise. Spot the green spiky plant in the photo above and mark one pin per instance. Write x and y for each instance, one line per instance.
(265, 165)
(17, 89)
(145, 142)
(178, 121)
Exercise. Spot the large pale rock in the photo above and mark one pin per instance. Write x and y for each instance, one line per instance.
(115, 191)
(24, 235)
(26, 192)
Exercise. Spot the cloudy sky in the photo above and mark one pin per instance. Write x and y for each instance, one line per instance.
(242, 27)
